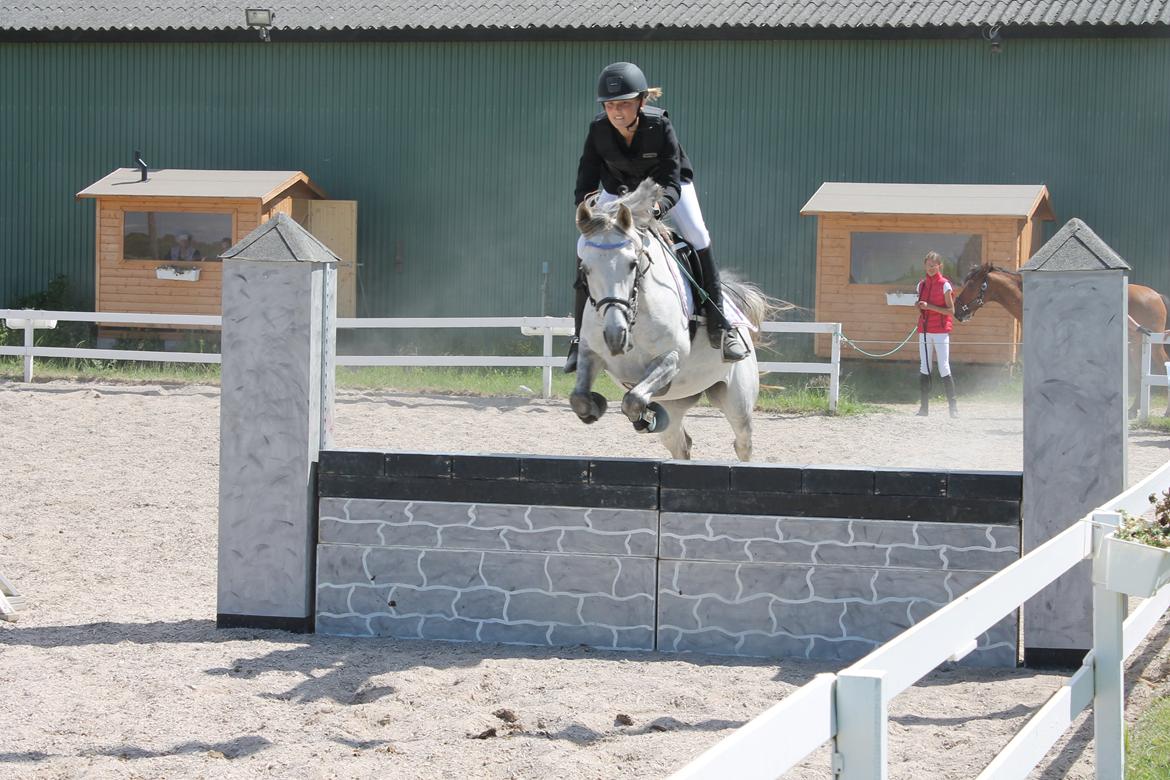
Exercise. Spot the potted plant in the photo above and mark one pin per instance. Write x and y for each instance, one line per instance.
(1135, 559)
(183, 274)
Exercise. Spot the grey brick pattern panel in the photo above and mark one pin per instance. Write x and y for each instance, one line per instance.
(874, 543)
(745, 559)
(834, 613)
(466, 595)
(502, 527)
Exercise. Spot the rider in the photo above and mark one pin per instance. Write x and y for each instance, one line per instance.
(627, 143)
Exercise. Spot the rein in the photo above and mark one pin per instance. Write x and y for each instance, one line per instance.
(629, 304)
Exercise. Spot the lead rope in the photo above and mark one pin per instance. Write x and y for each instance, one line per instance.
(853, 344)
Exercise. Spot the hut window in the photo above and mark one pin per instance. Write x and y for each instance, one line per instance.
(175, 235)
(896, 258)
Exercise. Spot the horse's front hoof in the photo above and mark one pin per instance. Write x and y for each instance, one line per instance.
(588, 407)
(653, 419)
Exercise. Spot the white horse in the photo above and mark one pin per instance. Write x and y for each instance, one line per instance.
(638, 332)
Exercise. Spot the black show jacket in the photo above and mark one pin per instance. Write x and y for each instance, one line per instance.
(655, 153)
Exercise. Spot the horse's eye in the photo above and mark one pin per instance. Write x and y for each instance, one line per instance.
(633, 264)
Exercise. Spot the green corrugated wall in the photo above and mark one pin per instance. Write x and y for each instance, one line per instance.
(462, 156)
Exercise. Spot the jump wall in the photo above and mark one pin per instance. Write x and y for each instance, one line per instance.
(736, 559)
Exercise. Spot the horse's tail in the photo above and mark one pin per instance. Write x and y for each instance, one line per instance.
(756, 305)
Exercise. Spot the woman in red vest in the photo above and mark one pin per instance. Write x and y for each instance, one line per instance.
(936, 307)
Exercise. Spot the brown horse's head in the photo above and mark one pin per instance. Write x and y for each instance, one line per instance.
(971, 297)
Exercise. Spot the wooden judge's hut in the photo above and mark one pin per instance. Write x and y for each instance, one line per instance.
(159, 239)
(872, 238)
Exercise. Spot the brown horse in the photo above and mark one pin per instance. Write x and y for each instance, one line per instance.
(991, 284)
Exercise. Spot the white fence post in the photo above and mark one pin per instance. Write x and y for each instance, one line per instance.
(546, 371)
(1144, 379)
(28, 350)
(835, 371)
(1109, 610)
(861, 726)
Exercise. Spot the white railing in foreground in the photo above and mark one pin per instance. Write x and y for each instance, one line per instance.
(546, 327)
(1149, 378)
(857, 698)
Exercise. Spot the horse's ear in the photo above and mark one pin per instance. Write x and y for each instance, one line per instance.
(625, 219)
(584, 216)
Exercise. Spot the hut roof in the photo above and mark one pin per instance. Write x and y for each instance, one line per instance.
(188, 183)
(987, 200)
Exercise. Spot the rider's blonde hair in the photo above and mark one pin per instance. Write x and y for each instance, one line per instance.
(653, 94)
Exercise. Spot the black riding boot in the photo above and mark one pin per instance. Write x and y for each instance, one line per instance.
(949, 386)
(719, 331)
(923, 394)
(581, 294)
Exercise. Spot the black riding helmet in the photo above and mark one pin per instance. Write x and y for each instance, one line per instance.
(621, 81)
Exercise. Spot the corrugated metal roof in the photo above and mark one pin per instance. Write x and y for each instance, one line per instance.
(518, 15)
(185, 183)
(992, 200)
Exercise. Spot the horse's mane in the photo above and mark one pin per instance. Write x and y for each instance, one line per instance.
(640, 202)
(986, 268)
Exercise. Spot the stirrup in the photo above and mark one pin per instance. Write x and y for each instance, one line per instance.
(734, 348)
(571, 358)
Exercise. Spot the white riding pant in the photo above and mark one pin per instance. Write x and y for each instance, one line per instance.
(686, 216)
(940, 345)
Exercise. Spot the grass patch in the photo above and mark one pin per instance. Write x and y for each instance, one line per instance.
(493, 382)
(863, 383)
(1153, 424)
(882, 382)
(804, 397)
(112, 371)
(1147, 754)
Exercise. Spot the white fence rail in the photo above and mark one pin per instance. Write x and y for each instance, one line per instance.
(857, 698)
(546, 327)
(1149, 378)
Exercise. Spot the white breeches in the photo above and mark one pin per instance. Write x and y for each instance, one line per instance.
(686, 215)
(940, 345)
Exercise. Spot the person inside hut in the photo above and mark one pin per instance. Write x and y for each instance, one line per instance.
(630, 141)
(936, 308)
(183, 249)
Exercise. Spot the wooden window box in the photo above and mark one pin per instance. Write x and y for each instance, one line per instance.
(178, 274)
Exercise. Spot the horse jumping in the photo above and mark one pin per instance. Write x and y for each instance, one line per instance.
(638, 331)
(991, 284)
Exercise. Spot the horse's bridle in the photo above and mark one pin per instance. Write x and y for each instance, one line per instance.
(629, 304)
(967, 311)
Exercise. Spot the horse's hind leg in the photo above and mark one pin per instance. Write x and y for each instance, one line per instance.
(675, 438)
(736, 402)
